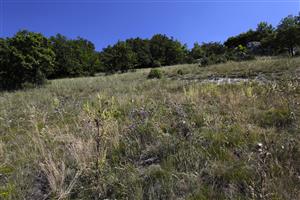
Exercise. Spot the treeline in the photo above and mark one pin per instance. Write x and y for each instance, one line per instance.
(28, 59)
(134, 53)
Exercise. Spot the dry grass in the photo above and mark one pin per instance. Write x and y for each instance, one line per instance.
(126, 137)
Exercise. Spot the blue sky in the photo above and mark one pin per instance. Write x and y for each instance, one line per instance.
(105, 22)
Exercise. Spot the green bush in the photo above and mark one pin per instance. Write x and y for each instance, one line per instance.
(155, 73)
(211, 60)
(240, 53)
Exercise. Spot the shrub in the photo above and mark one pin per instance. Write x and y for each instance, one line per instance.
(155, 73)
(211, 60)
(240, 53)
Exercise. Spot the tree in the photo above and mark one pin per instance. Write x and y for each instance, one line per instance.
(87, 61)
(158, 45)
(242, 39)
(263, 38)
(288, 33)
(25, 58)
(196, 52)
(266, 35)
(167, 50)
(208, 53)
(263, 30)
(176, 53)
(119, 57)
(213, 48)
(63, 51)
(142, 50)
(74, 57)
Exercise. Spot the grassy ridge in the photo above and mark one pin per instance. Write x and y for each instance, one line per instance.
(271, 68)
(126, 137)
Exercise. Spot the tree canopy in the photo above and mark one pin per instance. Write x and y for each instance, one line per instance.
(74, 58)
(25, 58)
(288, 33)
(167, 51)
(119, 57)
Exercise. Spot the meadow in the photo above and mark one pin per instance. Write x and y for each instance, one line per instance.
(124, 136)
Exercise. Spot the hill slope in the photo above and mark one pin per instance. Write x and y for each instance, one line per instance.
(180, 137)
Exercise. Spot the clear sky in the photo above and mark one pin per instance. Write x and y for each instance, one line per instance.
(105, 22)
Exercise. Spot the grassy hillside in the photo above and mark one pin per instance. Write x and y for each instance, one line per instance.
(125, 136)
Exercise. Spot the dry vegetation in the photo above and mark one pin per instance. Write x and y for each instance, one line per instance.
(124, 136)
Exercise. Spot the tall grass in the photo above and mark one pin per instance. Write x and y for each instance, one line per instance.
(128, 137)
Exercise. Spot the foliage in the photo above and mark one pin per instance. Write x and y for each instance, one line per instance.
(264, 35)
(74, 57)
(155, 73)
(138, 53)
(167, 50)
(25, 58)
(119, 57)
(288, 35)
(239, 53)
(142, 50)
(241, 39)
(208, 53)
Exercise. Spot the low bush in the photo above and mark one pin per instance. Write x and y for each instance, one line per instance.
(240, 53)
(155, 73)
(211, 60)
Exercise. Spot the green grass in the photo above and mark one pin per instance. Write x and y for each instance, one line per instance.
(124, 136)
(271, 68)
